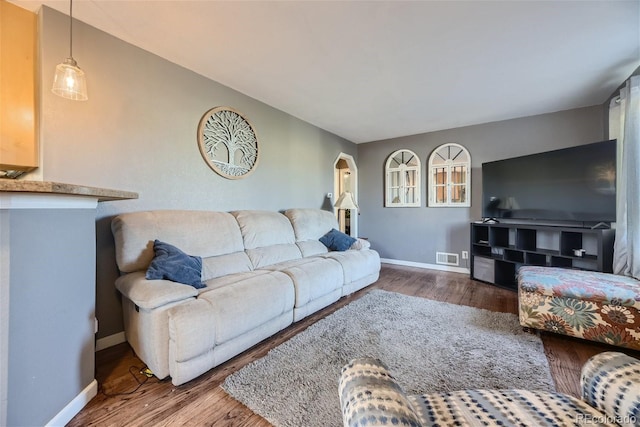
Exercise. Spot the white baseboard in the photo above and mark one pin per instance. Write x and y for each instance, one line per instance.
(75, 406)
(110, 341)
(462, 270)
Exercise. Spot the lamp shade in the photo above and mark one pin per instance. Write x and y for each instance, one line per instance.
(346, 201)
(69, 81)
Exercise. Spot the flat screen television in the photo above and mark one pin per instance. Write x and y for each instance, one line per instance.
(576, 184)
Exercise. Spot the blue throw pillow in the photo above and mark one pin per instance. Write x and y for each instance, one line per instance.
(337, 240)
(171, 263)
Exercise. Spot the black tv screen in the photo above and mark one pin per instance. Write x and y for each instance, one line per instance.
(572, 184)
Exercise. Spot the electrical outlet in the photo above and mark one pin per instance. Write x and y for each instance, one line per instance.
(465, 255)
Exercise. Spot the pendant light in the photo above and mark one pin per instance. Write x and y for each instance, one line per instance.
(69, 81)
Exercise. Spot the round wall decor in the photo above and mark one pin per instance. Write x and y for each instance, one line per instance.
(228, 142)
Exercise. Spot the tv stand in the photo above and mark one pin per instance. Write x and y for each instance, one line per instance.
(499, 250)
(490, 220)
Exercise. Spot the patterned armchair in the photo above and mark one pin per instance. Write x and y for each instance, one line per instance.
(371, 397)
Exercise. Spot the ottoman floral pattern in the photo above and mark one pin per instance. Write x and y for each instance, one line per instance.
(595, 306)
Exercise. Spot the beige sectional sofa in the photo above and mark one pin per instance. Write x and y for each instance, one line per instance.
(263, 270)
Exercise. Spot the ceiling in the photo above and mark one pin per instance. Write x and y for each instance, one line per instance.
(373, 70)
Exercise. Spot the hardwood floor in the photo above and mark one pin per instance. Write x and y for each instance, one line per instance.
(128, 398)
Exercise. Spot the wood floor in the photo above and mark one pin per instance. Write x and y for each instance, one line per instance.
(128, 398)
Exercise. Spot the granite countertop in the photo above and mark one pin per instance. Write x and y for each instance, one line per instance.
(46, 187)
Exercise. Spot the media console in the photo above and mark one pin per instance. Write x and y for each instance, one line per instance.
(498, 250)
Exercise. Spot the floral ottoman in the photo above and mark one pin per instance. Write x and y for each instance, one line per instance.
(595, 306)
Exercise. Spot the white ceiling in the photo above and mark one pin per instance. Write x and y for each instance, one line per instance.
(372, 70)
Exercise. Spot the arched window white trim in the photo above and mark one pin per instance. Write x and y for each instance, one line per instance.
(449, 173)
(402, 174)
(345, 178)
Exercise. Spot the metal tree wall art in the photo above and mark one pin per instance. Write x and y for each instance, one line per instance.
(228, 143)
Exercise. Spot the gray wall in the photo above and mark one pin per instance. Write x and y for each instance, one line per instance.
(415, 234)
(137, 132)
(51, 258)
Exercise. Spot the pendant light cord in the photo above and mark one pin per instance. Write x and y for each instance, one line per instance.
(69, 80)
(70, 28)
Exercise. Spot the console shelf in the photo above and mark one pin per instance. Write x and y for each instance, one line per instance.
(498, 250)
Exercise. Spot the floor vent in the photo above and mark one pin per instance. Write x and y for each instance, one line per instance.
(447, 258)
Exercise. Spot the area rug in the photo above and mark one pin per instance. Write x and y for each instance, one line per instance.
(428, 345)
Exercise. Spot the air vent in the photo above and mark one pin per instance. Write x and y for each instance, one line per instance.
(447, 258)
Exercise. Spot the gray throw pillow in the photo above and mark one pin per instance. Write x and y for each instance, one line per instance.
(171, 263)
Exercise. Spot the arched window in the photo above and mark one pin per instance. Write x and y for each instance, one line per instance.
(449, 176)
(402, 180)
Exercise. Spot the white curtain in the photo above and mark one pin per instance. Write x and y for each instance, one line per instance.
(624, 125)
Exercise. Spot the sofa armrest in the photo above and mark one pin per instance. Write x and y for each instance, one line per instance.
(360, 244)
(370, 396)
(150, 294)
(610, 382)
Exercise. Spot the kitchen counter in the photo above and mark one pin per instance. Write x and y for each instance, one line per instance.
(102, 194)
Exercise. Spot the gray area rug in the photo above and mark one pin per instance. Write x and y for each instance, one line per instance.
(428, 345)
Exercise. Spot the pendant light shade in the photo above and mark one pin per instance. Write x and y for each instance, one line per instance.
(69, 81)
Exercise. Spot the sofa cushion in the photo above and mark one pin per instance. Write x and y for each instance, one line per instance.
(230, 279)
(223, 265)
(268, 237)
(269, 255)
(312, 277)
(245, 305)
(264, 228)
(356, 264)
(337, 240)
(311, 224)
(311, 248)
(281, 266)
(200, 233)
(171, 263)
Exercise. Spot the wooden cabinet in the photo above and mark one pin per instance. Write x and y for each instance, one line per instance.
(18, 121)
(498, 250)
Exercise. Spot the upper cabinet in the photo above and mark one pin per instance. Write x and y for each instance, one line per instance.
(18, 136)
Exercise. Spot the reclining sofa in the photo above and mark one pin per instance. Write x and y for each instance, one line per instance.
(263, 271)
